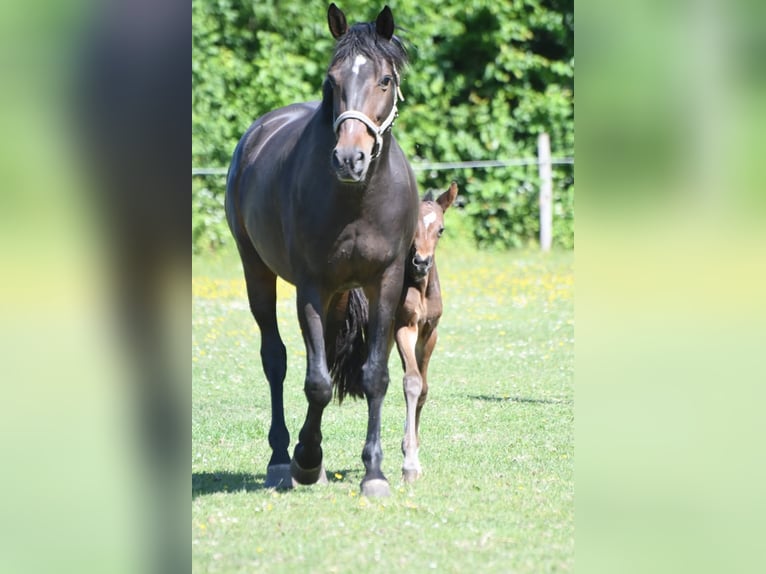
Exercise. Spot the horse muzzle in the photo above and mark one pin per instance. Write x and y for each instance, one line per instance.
(421, 265)
(350, 164)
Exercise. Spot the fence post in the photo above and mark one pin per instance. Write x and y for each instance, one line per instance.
(546, 190)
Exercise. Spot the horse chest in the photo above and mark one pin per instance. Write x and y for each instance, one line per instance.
(358, 253)
(420, 310)
(428, 316)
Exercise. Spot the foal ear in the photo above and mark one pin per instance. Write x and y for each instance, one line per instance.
(337, 21)
(384, 25)
(446, 198)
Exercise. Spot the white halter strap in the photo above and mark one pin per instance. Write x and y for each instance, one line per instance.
(377, 130)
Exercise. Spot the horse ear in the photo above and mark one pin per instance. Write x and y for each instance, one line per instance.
(446, 198)
(337, 21)
(384, 25)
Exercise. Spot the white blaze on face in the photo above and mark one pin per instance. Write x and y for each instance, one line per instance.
(358, 61)
(428, 219)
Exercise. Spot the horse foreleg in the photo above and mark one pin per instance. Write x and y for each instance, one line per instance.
(406, 340)
(306, 466)
(375, 379)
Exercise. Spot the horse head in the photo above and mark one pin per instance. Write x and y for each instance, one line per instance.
(363, 82)
(429, 230)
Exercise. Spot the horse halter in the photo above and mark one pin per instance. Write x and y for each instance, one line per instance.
(376, 130)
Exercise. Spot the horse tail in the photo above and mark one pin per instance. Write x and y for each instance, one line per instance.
(347, 351)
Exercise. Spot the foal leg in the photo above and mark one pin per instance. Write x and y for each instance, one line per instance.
(262, 295)
(423, 360)
(306, 466)
(406, 340)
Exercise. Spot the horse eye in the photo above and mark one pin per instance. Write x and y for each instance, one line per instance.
(385, 82)
(441, 230)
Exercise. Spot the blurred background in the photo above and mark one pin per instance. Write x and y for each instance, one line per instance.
(670, 250)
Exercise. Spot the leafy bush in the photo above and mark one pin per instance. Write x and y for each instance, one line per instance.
(209, 228)
(486, 78)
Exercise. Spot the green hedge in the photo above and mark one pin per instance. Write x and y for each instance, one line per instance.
(486, 77)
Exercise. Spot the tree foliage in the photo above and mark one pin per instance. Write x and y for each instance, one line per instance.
(486, 77)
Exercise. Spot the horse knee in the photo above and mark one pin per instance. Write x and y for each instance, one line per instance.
(318, 390)
(375, 379)
(413, 385)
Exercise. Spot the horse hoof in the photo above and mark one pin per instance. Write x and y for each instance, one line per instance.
(278, 476)
(376, 487)
(410, 475)
(307, 475)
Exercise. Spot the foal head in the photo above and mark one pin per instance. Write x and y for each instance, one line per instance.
(430, 229)
(363, 84)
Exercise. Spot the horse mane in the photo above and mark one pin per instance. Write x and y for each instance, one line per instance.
(363, 39)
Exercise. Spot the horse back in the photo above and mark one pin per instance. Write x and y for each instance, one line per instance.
(257, 163)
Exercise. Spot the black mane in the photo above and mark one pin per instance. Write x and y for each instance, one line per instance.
(363, 39)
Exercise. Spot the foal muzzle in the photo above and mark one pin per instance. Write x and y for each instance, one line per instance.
(421, 265)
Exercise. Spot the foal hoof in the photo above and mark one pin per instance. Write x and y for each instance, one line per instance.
(376, 487)
(410, 475)
(278, 476)
(307, 475)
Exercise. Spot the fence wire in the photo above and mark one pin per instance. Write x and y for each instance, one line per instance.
(436, 165)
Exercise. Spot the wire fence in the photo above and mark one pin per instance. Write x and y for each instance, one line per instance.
(543, 161)
(436, 165)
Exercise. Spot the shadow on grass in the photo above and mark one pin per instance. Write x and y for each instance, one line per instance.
(211, 482)
(204, 483)
(508, 399)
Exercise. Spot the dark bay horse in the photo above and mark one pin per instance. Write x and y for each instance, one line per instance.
(417, 320)
(322, 195)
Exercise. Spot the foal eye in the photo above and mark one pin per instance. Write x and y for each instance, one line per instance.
(441, 230)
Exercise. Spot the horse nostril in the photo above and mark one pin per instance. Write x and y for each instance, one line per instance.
(360, 157)
(419, 261)
(336, 162)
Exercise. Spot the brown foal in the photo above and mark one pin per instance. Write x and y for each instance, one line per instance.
(417, 319)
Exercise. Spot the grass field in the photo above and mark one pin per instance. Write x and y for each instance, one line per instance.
(497, 435)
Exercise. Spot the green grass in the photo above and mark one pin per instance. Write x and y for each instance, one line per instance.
(497, 434)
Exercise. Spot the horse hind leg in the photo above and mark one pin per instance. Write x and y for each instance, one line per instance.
(262, 296)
